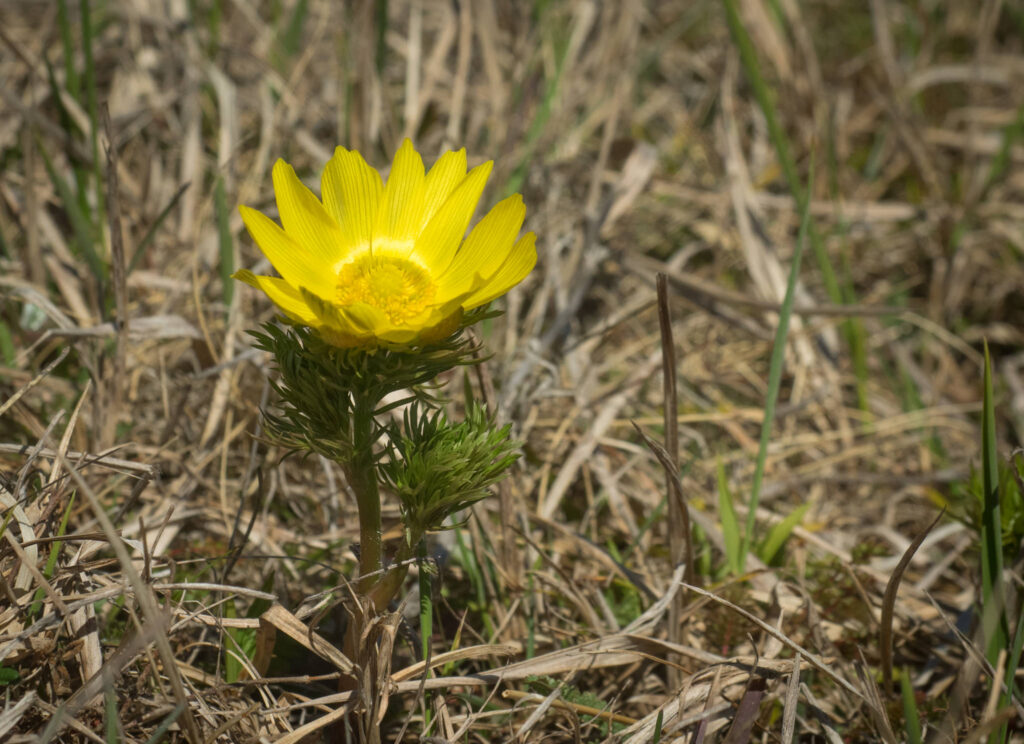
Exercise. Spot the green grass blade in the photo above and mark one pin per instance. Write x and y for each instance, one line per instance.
(165, 725)
(5, 248)
(778, 534)
(71, 81)
(51, 561)
(730, 525)
(8, 518)
(775, 376)
(232, 666)
(910, 716)
(112, 729)
(81, 226)
(1012, 662)
(474, 570)
(470, 565)
(853, 328)
(291, 37)
(993, 604)
(214, 16)
(856, 336)
(560, 53)
(766, 100)
(36, 607)
(381, 45)
(227, 245)
(239, 643)
(8, 354)
(68, 125)
(92, 107)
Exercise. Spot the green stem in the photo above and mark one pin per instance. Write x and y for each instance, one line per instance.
(362, 477)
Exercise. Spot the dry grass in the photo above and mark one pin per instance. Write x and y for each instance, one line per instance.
(165, 574)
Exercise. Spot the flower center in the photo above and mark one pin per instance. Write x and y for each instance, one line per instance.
(396, 286)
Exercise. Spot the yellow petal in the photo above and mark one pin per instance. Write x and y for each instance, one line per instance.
(519, 263)
(436, 246)
(341, 328)
(448, 172)
(444, 328)
(400, 214)
(485, 249)
(374, 326)
(352, 191)
(435, 314)
(291, 259)
(305, 219)
(280, 292)
(366, 319)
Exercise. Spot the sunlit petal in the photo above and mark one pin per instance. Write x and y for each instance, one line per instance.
(437, 244)
(291, 259)
(280, 292)
(304, 217)
(448, 172)
(486, 248)
(400, 214)
(519, 263)
(352, 192)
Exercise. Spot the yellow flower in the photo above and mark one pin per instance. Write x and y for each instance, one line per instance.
(387, 265)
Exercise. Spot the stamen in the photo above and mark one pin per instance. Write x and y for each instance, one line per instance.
(399, 288)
